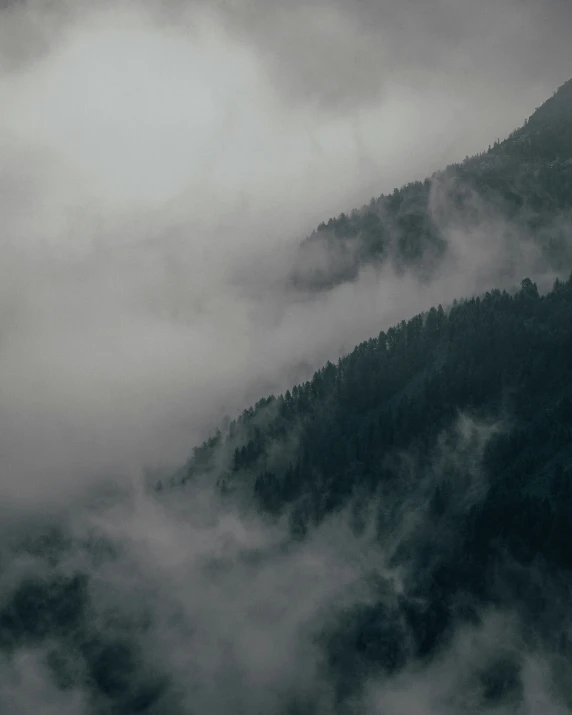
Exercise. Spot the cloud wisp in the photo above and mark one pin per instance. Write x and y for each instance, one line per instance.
(185, 602)
(151, 215)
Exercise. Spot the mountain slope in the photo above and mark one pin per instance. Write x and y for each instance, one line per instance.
(460, 421)
(401, 519)
(502, 357)
(393, 535)
(524, 181)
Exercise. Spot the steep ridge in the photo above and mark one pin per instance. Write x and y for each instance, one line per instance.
(412, 507)
(498, 357)
(459, 420)
(525, 180)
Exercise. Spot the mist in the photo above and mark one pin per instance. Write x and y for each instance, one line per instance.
(160, 164)
(188, 602)
(157, 178)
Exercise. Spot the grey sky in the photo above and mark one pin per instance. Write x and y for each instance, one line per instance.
(341, 53)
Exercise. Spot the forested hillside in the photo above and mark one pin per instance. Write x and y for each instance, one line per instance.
(463, 418)
(523, 182)
(390, 536)
(499, 358)
(415, 503)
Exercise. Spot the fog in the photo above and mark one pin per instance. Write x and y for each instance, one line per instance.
(191, 604)
(160, 164)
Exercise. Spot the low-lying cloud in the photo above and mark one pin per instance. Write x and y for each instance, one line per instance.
(157, 176)
(184, 602)
(159, 167)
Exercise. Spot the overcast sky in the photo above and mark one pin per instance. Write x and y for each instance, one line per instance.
(158, 163)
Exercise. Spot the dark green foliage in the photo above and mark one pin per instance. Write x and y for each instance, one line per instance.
(117, 674)
(113, 668)
(524, 181)
(375, 435)
(55, 612)
(502, 359)
(366, 640)
(498, 355)
(40, 608)
(500, 681)
(470, 516)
